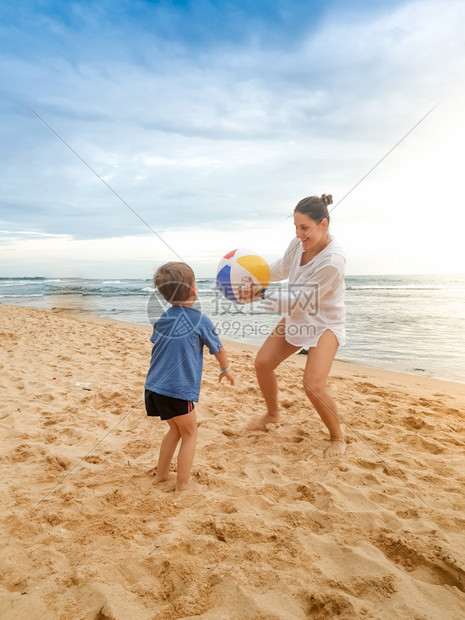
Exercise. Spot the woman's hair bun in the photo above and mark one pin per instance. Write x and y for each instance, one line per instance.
(316, 207)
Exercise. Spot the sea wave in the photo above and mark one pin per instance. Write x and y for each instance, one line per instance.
(22, 296)
(30, 279)
(380, 287)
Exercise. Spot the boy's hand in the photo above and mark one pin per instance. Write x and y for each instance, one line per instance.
(229, 376)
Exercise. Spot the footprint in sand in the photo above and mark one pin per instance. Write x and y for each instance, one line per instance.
(23, 452)
(57, 463)
(318, 496)
(331, 605)
(94, 459)
(413, 423)
(439, 569)
(365, 387)
(137, 448)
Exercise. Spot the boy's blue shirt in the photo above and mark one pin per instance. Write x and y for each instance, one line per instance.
(176, 363)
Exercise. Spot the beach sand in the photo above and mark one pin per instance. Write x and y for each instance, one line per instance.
(275, 530)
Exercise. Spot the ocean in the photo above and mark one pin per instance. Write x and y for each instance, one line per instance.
(413, 324)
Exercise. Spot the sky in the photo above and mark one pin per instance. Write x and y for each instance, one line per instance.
(196, 127)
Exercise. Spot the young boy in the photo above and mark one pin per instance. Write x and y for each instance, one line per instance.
(173, 380)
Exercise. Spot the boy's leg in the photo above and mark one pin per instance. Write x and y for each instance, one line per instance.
(167, 448)
(319, 361)
(187, 428)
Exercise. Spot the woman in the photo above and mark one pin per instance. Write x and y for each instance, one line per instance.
(314, 316)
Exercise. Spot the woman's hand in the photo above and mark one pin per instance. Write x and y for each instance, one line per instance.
(249, 292)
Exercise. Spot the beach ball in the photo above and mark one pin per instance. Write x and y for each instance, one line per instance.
(235, 270)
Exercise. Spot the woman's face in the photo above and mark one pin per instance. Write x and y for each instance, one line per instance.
(308, 231)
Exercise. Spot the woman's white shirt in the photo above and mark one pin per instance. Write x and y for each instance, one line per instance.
(314, 301)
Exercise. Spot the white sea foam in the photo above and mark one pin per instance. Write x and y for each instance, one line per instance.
(23, 296)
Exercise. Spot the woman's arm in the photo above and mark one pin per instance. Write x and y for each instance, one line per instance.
(279, 270)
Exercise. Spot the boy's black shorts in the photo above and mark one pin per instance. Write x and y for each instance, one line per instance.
(166, 407)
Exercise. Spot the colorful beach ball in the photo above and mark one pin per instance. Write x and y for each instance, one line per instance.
(235, 270)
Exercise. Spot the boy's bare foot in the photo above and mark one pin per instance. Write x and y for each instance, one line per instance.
(188, 486)
(259, 422)
(171, 476)
(336, 447)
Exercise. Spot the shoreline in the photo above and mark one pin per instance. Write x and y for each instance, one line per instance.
(84, 310)
(274, 530)
(339, 365)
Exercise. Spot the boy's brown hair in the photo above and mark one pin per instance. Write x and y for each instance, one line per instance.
(174, 281)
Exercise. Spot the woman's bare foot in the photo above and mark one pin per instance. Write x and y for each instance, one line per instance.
(259, 422)
(336, 447)
(171, 476)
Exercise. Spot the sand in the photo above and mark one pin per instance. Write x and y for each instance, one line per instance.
(275, 530)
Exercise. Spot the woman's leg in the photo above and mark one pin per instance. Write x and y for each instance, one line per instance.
(187, 427)
(319, 361)
(167, 448)
(274, 350)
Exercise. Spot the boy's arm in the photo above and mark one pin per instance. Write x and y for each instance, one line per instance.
(225, 369)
